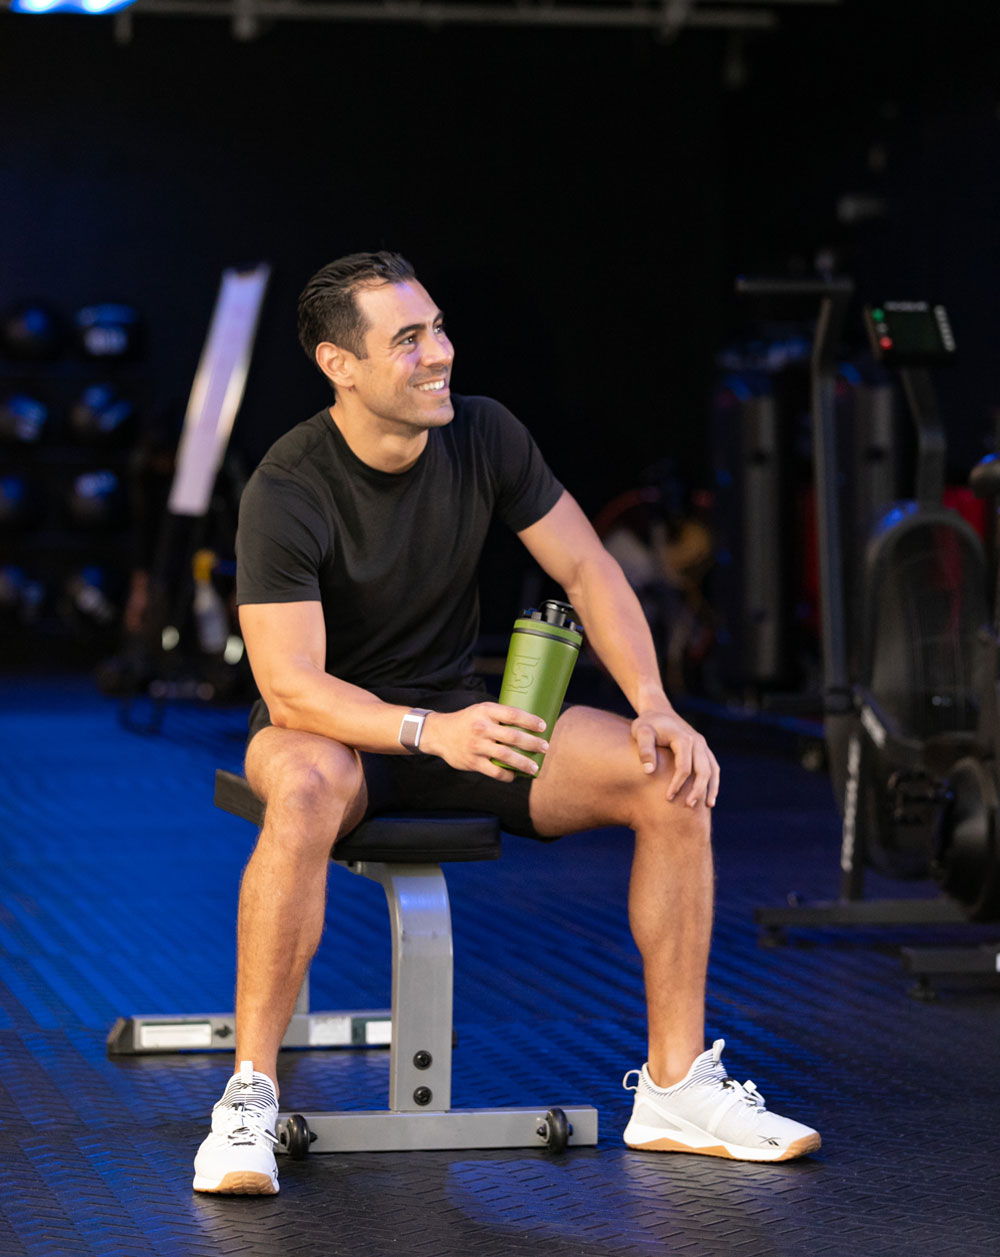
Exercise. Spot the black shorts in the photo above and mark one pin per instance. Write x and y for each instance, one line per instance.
(425, 783)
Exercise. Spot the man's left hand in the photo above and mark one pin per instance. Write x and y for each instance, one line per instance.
(693, 761)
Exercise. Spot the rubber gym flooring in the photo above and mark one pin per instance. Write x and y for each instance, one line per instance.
(118, 895)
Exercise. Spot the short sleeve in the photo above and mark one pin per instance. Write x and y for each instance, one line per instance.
(281, 541)
(526, 487)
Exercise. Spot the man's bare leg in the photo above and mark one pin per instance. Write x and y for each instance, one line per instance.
(591, 777)
(314, 791)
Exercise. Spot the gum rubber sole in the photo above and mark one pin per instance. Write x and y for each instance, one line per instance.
(798, 1148)
(239, 1183)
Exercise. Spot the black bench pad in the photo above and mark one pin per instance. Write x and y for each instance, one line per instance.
(397, 838)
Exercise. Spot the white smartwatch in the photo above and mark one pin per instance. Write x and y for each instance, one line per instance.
(412, 727)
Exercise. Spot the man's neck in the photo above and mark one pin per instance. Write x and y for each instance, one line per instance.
(377, 444)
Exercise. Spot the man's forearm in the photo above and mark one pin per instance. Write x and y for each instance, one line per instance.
(303, 697)
(315, 702)
(618, 633)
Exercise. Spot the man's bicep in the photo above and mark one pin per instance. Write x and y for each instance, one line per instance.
(281, 638)
(562, 540)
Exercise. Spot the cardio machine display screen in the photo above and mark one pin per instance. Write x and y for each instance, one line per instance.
(910, 333)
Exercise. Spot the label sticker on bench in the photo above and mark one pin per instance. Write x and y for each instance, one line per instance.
(169, 1036)
(330, 1032)
(378, 1032)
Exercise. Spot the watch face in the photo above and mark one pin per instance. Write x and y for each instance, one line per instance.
(411, 729)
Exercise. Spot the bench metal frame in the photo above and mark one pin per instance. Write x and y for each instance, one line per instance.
(419, 1025)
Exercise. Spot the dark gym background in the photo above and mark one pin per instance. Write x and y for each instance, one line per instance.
(579, 201)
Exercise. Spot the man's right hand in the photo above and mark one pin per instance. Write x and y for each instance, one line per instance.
(471, 738)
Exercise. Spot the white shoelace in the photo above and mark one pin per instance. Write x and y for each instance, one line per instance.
(243, 1124)
(247, 1110)
(747, 1092)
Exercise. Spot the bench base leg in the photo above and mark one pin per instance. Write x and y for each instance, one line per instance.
(388, 1131)
(212, 1032)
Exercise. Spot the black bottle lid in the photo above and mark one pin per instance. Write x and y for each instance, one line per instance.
(554, 612)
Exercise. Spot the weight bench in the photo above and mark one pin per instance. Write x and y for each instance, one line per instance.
(404, 854)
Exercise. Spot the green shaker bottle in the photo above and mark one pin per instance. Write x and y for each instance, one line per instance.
(543, 651)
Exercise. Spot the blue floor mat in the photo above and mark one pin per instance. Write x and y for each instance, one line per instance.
(119, 894)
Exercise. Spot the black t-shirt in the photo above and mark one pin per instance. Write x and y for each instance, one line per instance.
(392, 557)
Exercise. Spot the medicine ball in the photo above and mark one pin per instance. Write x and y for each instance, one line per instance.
(108, 330)
(95, 499)
(10, 588)
(32, 332)
(88, 597)
(22, 418)
(100, 413)
(20, 502)
(11, 583)
(21, 596)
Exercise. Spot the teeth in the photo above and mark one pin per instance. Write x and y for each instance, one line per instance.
(433, 387)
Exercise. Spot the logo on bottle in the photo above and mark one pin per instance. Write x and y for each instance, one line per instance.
(519, 676)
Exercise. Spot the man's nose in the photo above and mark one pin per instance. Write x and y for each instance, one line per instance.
(438, 351)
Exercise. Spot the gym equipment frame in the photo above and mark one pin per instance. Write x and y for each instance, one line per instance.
(886, 777)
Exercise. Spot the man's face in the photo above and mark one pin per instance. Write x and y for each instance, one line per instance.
(405, 378)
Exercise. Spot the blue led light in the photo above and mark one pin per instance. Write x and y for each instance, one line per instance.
(95, 7)
(895, 515)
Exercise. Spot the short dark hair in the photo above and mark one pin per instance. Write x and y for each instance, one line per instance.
(328, 310)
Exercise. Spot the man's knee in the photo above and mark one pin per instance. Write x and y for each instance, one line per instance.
(593, 776)
(319, 786)
(310, 785)
(652, 809)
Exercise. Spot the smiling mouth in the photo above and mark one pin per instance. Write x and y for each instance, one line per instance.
(434, 386)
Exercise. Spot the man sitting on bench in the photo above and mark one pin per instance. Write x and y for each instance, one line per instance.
(359, 538)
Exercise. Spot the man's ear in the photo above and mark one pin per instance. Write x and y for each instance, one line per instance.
(336, 364)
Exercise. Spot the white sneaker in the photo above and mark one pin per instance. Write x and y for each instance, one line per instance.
(709, 1112)
(238, 1157)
